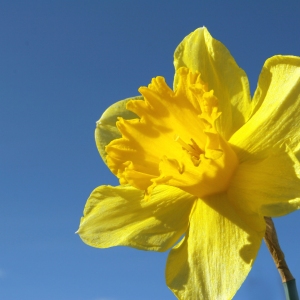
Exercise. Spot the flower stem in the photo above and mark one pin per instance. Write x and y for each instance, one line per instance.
(290, 290)
(287, 278)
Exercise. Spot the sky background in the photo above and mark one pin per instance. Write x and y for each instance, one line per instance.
(62, 63)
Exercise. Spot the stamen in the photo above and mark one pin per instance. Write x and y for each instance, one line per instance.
(193, 149)
(196, 147)
(196, 161)
(180, 167)
(187, 147)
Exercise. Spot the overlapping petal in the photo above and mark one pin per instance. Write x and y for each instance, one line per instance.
(106, 129)
(199, 51)
(277, 110)
(115, 216)
(270, 187)
(213, 260)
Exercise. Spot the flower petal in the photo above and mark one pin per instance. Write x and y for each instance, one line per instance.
(277, 112)
(214, 258)
(199, 51)
(106, 129)
(115, 216)
(270, 187)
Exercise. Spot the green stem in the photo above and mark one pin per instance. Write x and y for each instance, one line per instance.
(271, 240)
(290, 290)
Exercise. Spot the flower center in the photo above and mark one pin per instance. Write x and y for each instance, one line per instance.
(193, 149)
(175, 141)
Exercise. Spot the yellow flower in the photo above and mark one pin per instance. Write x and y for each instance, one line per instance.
(203, 161)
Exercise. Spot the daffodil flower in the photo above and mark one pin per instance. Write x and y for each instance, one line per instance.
(200, 165)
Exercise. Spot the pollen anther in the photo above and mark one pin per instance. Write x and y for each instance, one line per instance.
(193, 149)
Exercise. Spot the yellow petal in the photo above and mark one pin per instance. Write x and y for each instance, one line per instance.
(277, 116)
(214, 258)
(199, 51)
(106, 129)
(270, 187)
(115, 216)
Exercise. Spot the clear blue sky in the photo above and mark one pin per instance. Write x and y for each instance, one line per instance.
(61, 64)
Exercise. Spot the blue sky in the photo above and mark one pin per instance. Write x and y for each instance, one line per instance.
(61, 64)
